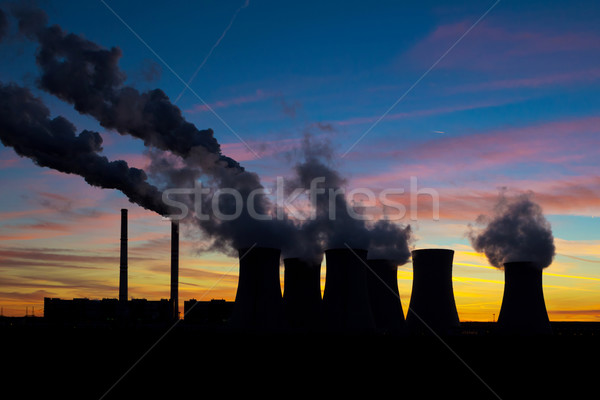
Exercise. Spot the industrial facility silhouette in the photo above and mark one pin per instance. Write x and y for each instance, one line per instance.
(360, 296)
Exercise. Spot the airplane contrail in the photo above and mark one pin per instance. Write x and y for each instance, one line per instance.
(212, 49)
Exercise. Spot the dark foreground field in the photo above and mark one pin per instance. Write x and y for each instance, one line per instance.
(86, 363)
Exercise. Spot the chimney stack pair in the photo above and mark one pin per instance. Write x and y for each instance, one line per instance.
(123, 268)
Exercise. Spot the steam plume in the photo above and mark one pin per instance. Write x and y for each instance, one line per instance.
(87, 76)
(26, 126)
(334, 224)
(517, 231)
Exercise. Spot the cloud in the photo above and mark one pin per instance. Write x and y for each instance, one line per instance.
(517, 230)
(491, 47)
(258, 95)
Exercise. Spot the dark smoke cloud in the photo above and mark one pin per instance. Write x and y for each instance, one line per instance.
(517, 231)
(87, 75)
(334, 226)
(390, 241)
(31, 19)
(26, 126)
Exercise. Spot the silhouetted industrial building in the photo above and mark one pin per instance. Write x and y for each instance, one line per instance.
(123, 265)
(432, 306)
(360, 296)
(215, 312)
(258, 300)
(302, 294)
(384, 296)
(105, 311)
(121, 310)
(175, 269)
(346, 303)
(523, 309)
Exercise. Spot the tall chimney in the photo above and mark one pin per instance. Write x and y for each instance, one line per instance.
(123, 264)
(523, 309)
(384, 296)
(258, 301)
(301, 294)
(346, 304)
(175, 268)
(432, 305)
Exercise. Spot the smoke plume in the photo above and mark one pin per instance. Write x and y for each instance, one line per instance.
(335, 223)
(26, 126)
(517, 231)
(390, 241)
(87, 76)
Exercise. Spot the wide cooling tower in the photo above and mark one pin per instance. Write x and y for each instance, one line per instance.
(432, 308)
(346, 303)
(301, 294)
(523, 309)
(384, 296)
(258, 303)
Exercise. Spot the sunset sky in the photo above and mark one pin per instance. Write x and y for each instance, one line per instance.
(467, 97)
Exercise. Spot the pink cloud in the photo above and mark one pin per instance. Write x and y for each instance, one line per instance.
(553, 142)
(423, 112)
(490, 47)
(456, 159)
(259, 95)
(584, 76)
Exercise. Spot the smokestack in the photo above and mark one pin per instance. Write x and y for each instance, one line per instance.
(301, 294)
(123, 264)
(258, 301)
(432, 305)
(175, 268)
(345, 298)
(523, 309)
(384, 295)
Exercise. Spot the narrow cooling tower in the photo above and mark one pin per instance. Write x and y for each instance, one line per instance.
(301, 294)
(384, 296)
(523, 309)
(258, 301)
(123, 263)
(432, 305)
(346, 304)
(175, 268)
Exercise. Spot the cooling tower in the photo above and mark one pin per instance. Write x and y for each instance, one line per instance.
(123, 263)
(432, 305)
(258, 301)
(346, 304)
(301, 294)
(175, 268)
(384, 296)
(523, 309)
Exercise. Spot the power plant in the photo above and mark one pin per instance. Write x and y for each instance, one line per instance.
(346, 304)
(175, 268)
(384, 296)
(523, 309)
(124, 310)
(432, 308)
(302, 303)
(258, 301)
(360, 295)
(123, 264)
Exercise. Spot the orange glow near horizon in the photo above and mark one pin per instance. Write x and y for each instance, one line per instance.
(56, 262)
